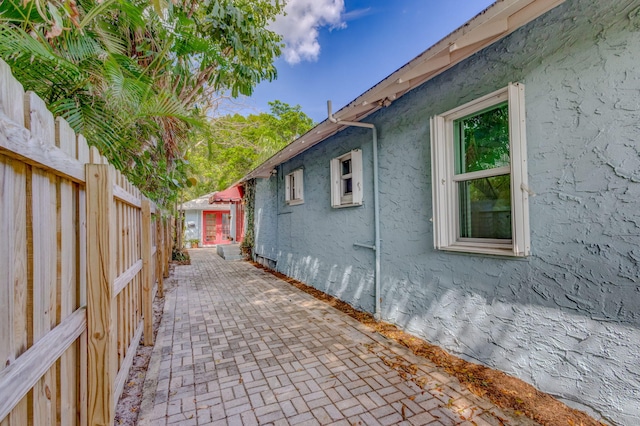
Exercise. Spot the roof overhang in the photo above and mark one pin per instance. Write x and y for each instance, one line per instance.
(233, 194)
(200, 203)
(494, 23)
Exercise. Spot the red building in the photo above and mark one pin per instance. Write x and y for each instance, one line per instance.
(216, 218)
(231, 197)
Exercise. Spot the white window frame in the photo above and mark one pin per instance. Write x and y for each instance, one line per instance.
(294, 188)
(446, 227)
(340, 199)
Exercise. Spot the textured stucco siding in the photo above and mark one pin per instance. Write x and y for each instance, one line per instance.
(265, 218)
(567, 318)
(312, 241)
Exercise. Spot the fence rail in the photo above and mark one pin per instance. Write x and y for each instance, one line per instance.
(82, 255)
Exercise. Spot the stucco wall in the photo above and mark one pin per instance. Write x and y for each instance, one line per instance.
(312, 241)
(567, 318)
(193, 217)
(265, 218)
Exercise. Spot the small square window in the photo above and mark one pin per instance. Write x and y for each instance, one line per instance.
(480, 176)
(294, 188)
(346, 180)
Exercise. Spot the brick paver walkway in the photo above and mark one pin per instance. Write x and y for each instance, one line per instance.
(238, 346)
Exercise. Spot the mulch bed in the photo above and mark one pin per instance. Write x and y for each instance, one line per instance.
(501, 389)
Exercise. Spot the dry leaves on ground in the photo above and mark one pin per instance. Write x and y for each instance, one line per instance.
(501, 389)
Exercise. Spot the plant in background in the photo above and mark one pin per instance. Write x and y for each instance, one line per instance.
(248, 200)
(180, 256)
(235, 145)
(138, 78)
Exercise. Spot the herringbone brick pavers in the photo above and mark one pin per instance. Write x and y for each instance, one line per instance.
(238, 346)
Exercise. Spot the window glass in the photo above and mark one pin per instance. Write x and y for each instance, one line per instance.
(482, 140)
(292, 186)
(226, 222)
(346, 179)
(347, 187)
(346, 167)
(209, 227)
(485, 207)
(478, 159)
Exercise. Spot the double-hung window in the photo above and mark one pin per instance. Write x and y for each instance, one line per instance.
(294, 188)
(480, 192)
(346, 180)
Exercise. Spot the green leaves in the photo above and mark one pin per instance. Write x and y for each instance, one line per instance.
(235, 145)
(136, 77)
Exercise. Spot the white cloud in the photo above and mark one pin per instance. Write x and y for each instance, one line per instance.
(299, 27)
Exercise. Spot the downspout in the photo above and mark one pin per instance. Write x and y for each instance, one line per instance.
(376, 203)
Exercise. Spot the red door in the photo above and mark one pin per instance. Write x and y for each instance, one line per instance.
(216, 228)
(239, 223)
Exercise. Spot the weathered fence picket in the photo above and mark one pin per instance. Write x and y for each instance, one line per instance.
(82, 254)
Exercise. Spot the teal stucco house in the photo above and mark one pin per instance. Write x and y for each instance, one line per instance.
(486, 197)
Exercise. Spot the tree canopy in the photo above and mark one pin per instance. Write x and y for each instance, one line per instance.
(137, 78)
(237, 144)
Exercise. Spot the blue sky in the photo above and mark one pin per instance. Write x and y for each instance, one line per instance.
(339, 49)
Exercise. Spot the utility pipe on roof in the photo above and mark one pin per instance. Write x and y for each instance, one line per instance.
(376, 204)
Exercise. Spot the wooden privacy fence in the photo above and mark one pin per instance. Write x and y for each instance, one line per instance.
(82, 254)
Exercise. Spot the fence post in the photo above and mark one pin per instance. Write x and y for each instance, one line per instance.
(147, 274)
(159, 254)
(168, 246)
(179, 233)
(101, 306)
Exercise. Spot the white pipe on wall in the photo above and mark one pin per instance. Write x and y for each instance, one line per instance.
(376, 204)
